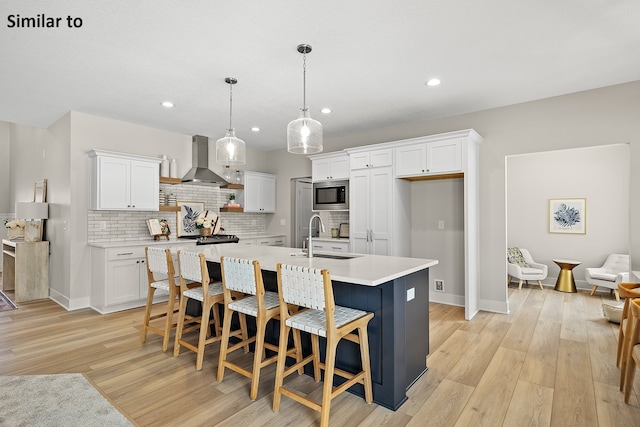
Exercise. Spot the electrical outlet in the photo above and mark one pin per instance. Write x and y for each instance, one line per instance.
(283, 221)
(439, 285)
(411, 294)
(441, 225)
(102, 225)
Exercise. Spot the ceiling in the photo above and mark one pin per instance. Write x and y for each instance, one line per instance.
(369, 63)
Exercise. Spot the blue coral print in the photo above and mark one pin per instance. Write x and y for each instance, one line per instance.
(566, 217)
(189, 220)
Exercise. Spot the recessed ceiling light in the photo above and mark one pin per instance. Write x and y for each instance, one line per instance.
(433, 82)
(167, 104)
(325, 110)
(255, 129)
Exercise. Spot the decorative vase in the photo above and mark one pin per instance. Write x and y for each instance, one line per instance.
(164, 166)
(173, 167)
(206, 231)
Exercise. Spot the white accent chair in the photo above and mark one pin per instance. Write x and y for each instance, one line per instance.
(531, 270)
(614, 271)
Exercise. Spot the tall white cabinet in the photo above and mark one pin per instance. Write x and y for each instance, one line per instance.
(378, 220)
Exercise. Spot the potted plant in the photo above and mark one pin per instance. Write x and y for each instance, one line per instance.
(206, 222)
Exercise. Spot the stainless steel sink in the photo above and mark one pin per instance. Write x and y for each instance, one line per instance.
(326, 255)
(336, 256)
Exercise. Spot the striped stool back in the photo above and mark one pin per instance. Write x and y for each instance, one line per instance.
(191, 266)
(157, 260)
(303, 286)
(239, 275)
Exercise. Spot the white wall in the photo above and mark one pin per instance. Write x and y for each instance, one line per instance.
(599, 174)
(431, 202)
(5, 177)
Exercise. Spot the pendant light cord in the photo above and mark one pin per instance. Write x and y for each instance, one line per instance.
(230, 104)
(304, 81)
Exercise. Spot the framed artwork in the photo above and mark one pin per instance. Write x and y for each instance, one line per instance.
(568, 216)
(186, 217)
(39, 196)
(40, 191)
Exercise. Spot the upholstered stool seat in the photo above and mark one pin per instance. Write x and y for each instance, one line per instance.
(315, 321)
(249, 305)
(215, 289)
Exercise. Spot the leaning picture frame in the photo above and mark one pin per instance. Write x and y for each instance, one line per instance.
(186, 217)
(568, 216)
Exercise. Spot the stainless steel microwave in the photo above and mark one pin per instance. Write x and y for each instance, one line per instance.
(331, 196)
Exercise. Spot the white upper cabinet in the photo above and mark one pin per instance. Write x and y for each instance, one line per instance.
(123, 182)
(429, 158)
(371, 159)
(331, 166)
(259, 192)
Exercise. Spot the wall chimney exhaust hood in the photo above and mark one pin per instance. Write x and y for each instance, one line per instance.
(200, 172)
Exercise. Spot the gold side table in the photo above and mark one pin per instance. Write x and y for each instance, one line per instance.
(565, 282)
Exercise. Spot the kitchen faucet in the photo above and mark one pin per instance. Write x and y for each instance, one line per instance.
(309, 245)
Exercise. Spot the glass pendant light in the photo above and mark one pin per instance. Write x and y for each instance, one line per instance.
(304, 135)
(231, 150)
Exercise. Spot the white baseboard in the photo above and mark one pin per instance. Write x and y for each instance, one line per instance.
(66, 303)
(444, 298)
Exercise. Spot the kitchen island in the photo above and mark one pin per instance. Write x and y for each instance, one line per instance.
(395, 289)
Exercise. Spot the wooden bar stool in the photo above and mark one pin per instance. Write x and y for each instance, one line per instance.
(193, 267)
(160, 262)
(243, 278)
(632, 356)
(311, 288)
(628, 291)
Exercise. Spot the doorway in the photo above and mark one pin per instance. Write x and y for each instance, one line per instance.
(600, 175)
(302, 203)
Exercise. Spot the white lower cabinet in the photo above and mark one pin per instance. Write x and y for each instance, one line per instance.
(271, 241)
(265, 241)
(330, 246)
(119, 279)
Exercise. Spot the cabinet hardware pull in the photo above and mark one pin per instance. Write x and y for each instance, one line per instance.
(126, 253)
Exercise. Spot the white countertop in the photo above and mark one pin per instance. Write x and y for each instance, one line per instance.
(171, 242)
(369, 270)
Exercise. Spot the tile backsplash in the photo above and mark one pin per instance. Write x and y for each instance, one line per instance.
(333, 219)
(116, 226)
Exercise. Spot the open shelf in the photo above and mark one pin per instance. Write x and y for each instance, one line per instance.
(164, 208)
(228, 209)
(167, 180)
(233, 186)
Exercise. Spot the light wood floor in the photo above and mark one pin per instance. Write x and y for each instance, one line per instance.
(550, 362)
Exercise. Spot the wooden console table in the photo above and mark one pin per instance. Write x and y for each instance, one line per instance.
(25, 269)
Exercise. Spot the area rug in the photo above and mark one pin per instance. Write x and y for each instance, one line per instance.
(6, 303)
(67, 400)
